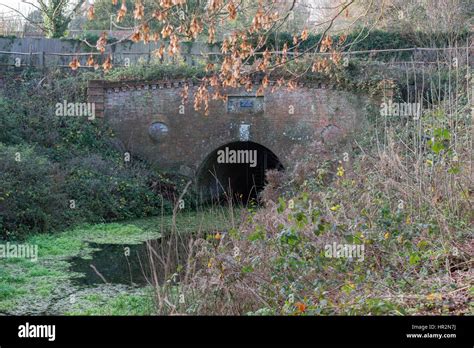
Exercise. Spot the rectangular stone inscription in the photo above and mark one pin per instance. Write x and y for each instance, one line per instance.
(244, 104)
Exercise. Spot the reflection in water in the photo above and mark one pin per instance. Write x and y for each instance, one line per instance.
(131, 264)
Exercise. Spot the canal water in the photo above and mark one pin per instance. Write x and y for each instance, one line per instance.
(136, 265)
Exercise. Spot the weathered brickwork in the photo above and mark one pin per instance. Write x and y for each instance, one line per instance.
(277, 121)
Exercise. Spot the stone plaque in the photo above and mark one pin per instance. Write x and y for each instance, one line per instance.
(244, 104)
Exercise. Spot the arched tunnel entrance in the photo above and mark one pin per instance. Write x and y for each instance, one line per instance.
(236, 170)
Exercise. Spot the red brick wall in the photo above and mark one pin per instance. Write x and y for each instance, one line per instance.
(130, 108)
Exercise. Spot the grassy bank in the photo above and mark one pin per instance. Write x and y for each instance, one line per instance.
(46, 287)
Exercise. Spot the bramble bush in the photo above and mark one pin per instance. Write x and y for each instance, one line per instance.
(417, 245)
(29, 195)
(61, 171)
(406, 199)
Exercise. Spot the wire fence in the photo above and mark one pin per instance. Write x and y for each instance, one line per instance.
(419, 56)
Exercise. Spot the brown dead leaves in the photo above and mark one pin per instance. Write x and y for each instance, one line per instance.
(232, 10)
(90, 13)
(102, 42)
(107, 65)
(122, 11)
(202, 98)
(244, 52)
(75, 64)
(139, 11)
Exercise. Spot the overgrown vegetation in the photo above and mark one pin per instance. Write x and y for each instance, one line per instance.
(48, 286)
(401, 193)
(157, 72)
(364, 40)
(60, 171)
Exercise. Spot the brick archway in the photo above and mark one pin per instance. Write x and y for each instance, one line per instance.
(278, 120)
(241, 177)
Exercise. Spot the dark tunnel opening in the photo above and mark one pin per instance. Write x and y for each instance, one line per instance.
(236, 170)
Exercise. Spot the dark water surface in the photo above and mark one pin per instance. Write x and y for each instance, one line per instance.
(127, 264)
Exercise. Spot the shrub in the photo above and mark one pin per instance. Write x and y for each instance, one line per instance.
(70, 170)
(30, 199)
(406, 201)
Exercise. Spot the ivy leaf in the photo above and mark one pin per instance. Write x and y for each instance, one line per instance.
(257, 235)
(281, 205)
(247, 269)
(414, 259)
(289, 237)
(454, 170)
(437, 147)
(442, 133)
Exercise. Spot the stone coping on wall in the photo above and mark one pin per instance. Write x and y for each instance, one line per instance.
(98, 89)
(118, 86)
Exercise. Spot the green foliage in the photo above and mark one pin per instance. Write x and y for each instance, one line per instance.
(157, 71)
(104, 10)
(59, 171)
(57, 14)
(363, 40)
(123, 304)
(414, 240)
(28, 287)
(29, 197)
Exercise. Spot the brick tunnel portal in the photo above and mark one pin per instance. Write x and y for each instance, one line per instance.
(236, 170)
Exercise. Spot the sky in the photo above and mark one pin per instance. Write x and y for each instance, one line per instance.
(25, 8)
(16, 4)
